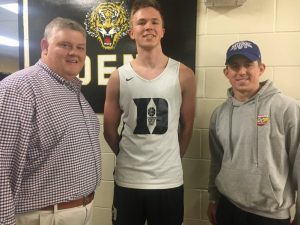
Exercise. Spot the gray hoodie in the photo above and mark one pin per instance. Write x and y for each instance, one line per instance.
(254, 146)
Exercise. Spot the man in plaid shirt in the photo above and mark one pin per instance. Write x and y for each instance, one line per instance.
(49, 136)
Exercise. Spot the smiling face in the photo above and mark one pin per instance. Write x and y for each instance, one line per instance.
(147, 28)
(64, 52)
(244, 75)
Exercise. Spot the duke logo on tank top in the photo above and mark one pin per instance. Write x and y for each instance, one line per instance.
(152, 116)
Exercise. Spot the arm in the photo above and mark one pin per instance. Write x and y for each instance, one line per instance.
(188, 105)
(216, 153)
(112, 112)
(293, 147)
(294, 222)
(211, 213)
(15, 134)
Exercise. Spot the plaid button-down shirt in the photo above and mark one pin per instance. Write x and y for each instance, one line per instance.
(49, 142)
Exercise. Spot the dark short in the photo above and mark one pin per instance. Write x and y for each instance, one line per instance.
(156, 206)
(229, 214)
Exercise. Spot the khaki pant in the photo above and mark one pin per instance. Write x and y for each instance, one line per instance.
(81, 215)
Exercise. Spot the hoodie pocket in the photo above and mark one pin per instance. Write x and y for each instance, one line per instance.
(249, 190)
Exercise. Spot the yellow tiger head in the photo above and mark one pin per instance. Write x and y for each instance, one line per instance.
(107, 22)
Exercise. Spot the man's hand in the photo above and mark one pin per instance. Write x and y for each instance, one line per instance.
(211, 213)
(295, 222)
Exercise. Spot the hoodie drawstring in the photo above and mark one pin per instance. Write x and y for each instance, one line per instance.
(256, 136)
(230, 131)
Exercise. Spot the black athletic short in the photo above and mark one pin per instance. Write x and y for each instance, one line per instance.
(229, 214)
(157, 207)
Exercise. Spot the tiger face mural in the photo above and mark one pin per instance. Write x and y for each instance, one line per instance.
(108, 22)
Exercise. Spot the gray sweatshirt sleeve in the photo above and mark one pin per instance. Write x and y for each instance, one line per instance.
(216, 153)
(293, 146)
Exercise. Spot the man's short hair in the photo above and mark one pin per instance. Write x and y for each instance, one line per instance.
(60, 23)
(140, 4)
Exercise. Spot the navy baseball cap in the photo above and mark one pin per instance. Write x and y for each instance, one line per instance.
(245, 48)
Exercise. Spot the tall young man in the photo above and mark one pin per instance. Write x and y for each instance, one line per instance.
(154, 96)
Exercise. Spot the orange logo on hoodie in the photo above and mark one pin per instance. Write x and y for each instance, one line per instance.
(262, 120)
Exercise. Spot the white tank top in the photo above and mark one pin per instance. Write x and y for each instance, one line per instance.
(149, 156)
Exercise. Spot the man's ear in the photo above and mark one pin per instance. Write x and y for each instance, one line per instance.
(225, 71)
(262, 68)
(130, 33)
(163, 32)
(44, 45)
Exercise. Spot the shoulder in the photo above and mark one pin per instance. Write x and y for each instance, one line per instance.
(17, 90)
(114, 78)
(283, 102)
(288, 105)
(124, 68)
(273, 98)
(19, 81)
(186, 77)
(113, 85)
(288, 99)
(186, 71)
(182, 68)
(222, 109)
(286, 109)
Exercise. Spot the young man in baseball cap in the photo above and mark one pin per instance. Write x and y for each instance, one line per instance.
(254, 142)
